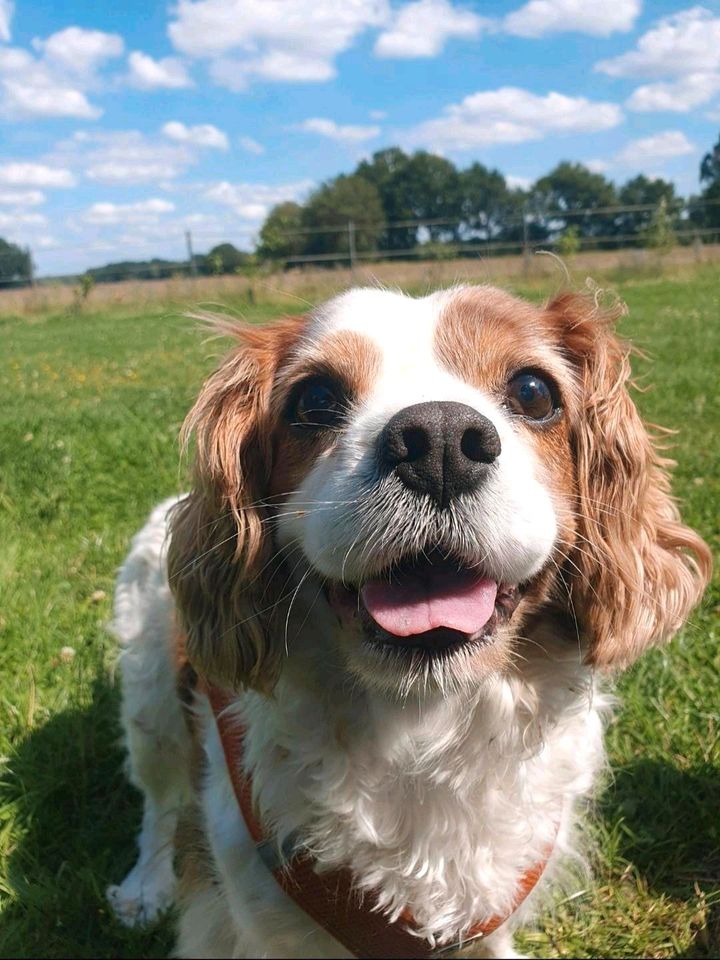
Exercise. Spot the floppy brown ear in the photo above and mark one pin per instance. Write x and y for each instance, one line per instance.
(220, 558)
(637, 570)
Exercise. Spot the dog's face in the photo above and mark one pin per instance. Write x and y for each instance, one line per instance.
(441, 472)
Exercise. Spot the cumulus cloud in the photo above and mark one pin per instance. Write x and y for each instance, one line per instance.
(540, 17)
(661, 146)
(79, 51)
(7, 8)
(169, 73)
(54, 83)
(252, 201)
(273, 41)
(342, 133)
(251, 146)
(21, 198)
(686, 42)
(202, 135)
(511, 115)
(144, 211)
(676, 96)
(21, 174)
(422, 28)
(125, 156)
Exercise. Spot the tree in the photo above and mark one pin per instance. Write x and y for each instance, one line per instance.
(428, 187)
(336, 204)
(639, 191)
(709, 214)
(385, 171)
(223, 258)
(489, 208)
(15, 263)
(281, 236)
(659, 234)
(572, 187)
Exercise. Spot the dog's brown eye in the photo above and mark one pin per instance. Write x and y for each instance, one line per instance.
(319, 403)
(530, 396)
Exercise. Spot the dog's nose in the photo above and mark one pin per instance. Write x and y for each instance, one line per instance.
(442, 448)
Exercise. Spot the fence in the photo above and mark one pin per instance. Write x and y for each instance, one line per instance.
(620, 226)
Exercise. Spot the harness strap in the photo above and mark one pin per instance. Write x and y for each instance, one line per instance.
(331, 897)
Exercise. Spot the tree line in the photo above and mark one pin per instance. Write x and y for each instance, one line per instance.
(377, 206)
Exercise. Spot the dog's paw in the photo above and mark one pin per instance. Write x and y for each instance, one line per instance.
(142, 896)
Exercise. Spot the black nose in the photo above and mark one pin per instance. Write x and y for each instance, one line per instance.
(442, 449)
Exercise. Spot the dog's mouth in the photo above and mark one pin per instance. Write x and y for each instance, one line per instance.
(429, 603)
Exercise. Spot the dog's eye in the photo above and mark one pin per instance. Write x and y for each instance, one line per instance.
(530, 396)
(319, 403)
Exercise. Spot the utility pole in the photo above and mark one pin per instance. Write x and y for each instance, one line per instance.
(351, 244)
(191, 258)
(31, 268)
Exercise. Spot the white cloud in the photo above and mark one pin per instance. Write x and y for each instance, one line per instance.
(126, 156)
(421, 29)
(677, 96)
(669, 143)
(34, 175)
(79, 51)
(7, 8)
(378, 114)
(21, 198)
(169, 73)
(55, 83)
(251, 146)
(252, 201)
(597, 166)
(20, 221)
(286, 41)
(511, 115)
(686, 42)
(540, 17)
(202, 135)
(144, 211)
(334, 131)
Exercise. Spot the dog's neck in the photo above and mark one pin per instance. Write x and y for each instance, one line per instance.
(437, 805)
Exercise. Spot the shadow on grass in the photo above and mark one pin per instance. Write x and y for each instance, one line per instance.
(667, 825)
(77, 819)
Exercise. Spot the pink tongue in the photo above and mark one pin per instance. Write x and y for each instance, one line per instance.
(424, 601)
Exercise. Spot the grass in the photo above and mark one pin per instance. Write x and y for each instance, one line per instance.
(89, 414)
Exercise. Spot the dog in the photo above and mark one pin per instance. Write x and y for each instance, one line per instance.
(363, 658)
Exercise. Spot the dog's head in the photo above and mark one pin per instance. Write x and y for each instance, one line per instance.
(436, 474)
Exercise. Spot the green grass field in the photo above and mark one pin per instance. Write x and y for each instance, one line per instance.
(90, 407)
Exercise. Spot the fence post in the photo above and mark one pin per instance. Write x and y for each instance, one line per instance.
(31, 268)
(191, 258)
(351, 244)
(526, 242)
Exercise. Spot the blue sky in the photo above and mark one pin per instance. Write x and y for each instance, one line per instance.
(124, 125)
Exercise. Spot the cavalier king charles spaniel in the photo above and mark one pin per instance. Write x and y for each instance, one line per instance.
(362, 659)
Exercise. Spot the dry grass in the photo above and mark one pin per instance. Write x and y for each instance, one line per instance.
(312, 284)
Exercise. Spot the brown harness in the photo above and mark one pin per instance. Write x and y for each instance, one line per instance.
(331, 898)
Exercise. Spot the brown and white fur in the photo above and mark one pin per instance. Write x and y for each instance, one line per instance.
(437, 777)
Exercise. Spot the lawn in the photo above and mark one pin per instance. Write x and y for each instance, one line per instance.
(90, 406)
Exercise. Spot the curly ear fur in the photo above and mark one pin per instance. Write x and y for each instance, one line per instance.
(637, 571)
(220, 556)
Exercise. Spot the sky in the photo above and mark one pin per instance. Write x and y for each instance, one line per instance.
(124, 125)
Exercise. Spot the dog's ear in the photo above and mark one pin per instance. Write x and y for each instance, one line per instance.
(636, 569)
(220, 558)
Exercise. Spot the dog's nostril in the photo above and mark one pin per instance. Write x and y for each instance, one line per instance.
(417, 443)
(480, 445)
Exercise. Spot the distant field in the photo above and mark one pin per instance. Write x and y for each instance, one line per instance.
(90, 406)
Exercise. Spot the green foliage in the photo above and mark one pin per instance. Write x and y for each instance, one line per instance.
(280, 236)
(155, 269)
(643, 191)
(572, 187)
(81, 293)
(15, 263)
(659, 234)
(92, 407)
(344, 200)
(224, 258)
(569, 243)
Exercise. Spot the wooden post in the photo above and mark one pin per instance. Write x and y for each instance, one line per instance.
(351, 244)
(191, 258)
